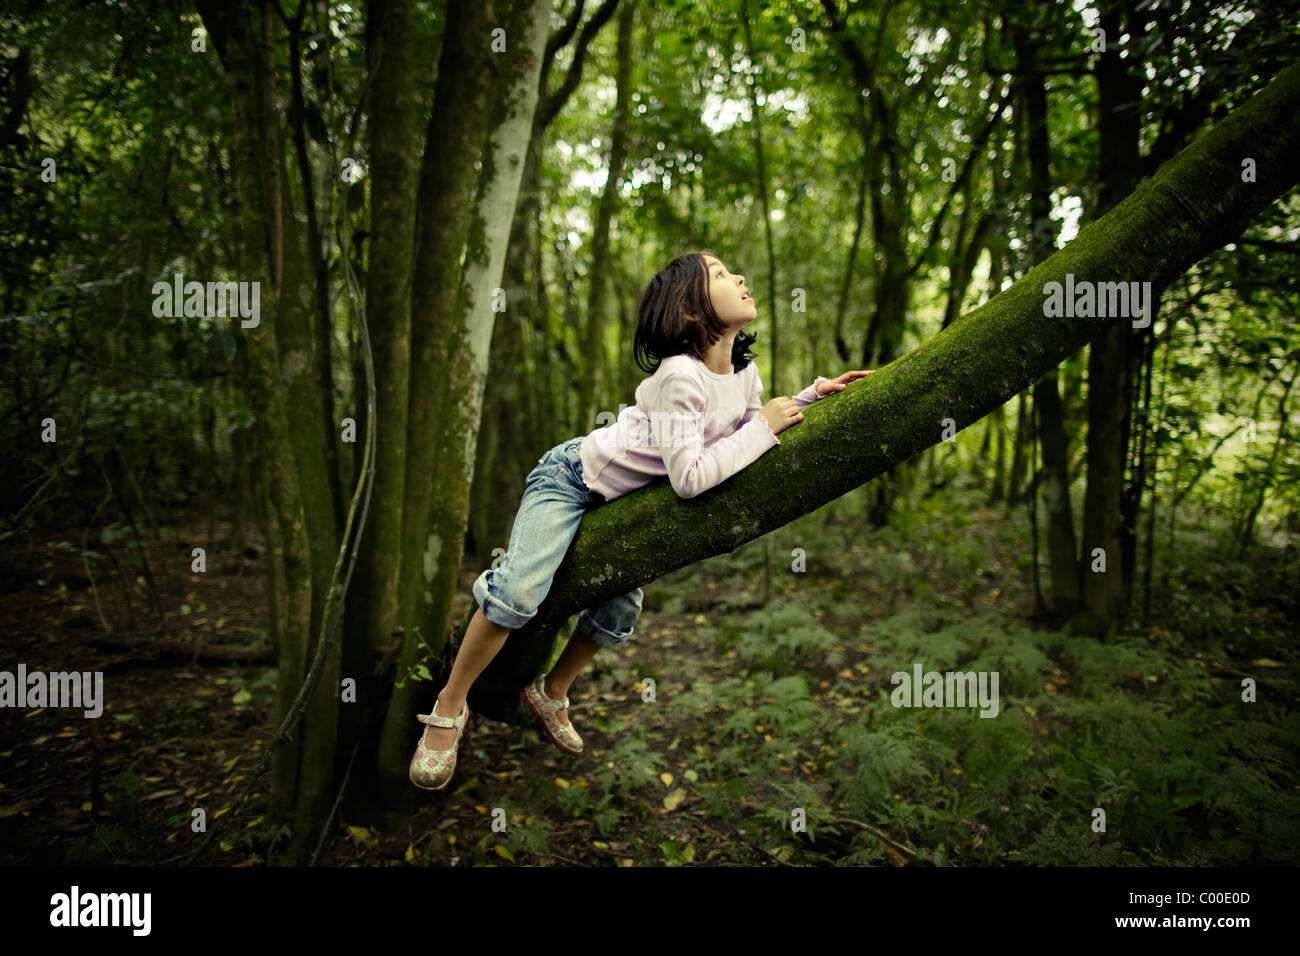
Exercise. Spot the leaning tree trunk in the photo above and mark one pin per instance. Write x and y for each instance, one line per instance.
(1195, 203)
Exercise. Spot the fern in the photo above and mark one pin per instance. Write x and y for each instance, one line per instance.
(878, 764)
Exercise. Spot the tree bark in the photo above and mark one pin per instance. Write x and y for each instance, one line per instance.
(279, 367)
(453, 143)
(1110, 360)
(1062, 562)
(468, 337)
(372, 608)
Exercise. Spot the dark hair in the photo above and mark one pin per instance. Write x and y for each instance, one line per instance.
(662, 327)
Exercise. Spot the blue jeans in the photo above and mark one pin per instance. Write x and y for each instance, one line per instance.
(555, 499)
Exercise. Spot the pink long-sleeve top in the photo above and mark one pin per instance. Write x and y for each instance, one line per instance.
(690, 423)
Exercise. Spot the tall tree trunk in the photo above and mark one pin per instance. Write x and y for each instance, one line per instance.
(1019, 458)
(312, 435)
(1055, 478)
(453, 143)
(515, 423)
(850, 267)
(1110, 359)
(997, 490)
(997, 247)
(372, 611)
(468, 337)
(1132, 495)
(1055, 482)
(316, 257)
(281, 367)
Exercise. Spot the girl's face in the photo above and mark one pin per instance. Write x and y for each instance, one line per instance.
(730, 297)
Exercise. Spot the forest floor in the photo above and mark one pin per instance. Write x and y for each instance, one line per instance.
(771, 739)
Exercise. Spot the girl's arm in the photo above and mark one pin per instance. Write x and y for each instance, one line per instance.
(692, 468)
(808, 395)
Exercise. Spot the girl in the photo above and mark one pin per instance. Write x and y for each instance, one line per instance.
(698, 419)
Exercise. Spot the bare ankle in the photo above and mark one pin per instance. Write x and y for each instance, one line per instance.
(446, 702)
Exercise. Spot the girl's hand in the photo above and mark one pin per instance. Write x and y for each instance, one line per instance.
(841, 382)
(781, 413)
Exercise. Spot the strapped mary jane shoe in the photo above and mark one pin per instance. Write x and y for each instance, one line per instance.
(547, 710)
(433, 769)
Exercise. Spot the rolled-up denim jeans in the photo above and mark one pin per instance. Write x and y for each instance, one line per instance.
(554, 501)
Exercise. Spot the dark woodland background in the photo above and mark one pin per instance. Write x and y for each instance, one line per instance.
(451, 209)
